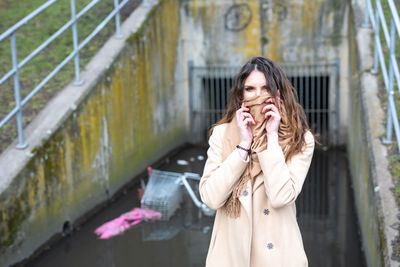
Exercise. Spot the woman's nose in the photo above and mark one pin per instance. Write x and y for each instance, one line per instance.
(258, 91)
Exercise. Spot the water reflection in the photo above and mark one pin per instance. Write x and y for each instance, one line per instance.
(326, 215)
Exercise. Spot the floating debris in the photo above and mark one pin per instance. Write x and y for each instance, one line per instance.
(182, 162)
(200, 157)
(192, 159)
(118, 225)
(206, 229)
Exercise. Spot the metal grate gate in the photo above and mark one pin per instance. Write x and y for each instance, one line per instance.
(316, 87)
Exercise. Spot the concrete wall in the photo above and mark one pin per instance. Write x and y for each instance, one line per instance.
(229, 32)
(127, 115)
(300, 31)
(375, 204)
(133, 108)
(360, 167)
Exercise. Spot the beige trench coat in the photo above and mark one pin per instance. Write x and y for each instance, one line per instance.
(266, 232)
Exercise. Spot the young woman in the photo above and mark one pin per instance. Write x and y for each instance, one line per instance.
(259, 156)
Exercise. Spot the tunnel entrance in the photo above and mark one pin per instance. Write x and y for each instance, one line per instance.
(316, 87)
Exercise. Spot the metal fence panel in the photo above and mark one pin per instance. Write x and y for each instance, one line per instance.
(377, 19)
(10, 33)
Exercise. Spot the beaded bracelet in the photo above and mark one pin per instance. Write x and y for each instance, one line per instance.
(248, 150)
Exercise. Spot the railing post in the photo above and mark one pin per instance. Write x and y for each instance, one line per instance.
(390, 91)
(117, 20)
(14, 57)
(376, 37)
(78, 80)
(366, 23)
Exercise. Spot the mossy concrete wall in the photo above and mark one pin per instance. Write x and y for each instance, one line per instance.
(360, 166)
(305, 32)
(372, 182)
(131, 116)
(134, 108)
(230, 32)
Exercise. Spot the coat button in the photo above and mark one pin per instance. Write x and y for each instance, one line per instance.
(266, 211)
(270, 245)
(245, 193)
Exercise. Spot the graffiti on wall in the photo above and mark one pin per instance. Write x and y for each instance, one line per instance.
(271, 10)
(238, 17)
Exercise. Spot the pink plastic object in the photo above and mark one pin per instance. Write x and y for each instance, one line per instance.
(125, 221)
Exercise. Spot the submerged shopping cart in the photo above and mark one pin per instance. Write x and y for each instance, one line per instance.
(164, 192)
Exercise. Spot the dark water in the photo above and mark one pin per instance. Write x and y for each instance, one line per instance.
(325, 212)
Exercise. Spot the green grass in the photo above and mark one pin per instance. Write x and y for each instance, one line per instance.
(30, 36)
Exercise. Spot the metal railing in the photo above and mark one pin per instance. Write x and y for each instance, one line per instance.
(377, 19)
(17, 65)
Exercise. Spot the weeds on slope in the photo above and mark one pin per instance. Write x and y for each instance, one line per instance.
(30, 36)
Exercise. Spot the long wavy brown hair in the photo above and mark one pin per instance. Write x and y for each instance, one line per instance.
(276, 79)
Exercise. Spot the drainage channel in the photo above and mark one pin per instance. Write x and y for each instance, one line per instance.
(325, 212)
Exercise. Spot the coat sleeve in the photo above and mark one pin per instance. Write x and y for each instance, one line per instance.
(283, 181)
(219, 177)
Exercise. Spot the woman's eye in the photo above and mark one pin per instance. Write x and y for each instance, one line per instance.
(249, 88)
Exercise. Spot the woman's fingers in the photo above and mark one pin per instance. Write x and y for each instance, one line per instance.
(250, 117)
(242, 109)
(248, 121)
(270, 101)
(244, 120)
(272, 114)
(247, 116)
(273, 101)
(270, 107)
(243, 115)
(239, 113)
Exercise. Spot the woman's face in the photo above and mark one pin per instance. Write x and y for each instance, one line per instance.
(255, 85)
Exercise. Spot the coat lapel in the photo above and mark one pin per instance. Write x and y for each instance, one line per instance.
(259, 181)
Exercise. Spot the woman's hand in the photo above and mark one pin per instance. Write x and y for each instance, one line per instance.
(273, 117)
(244, 121)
